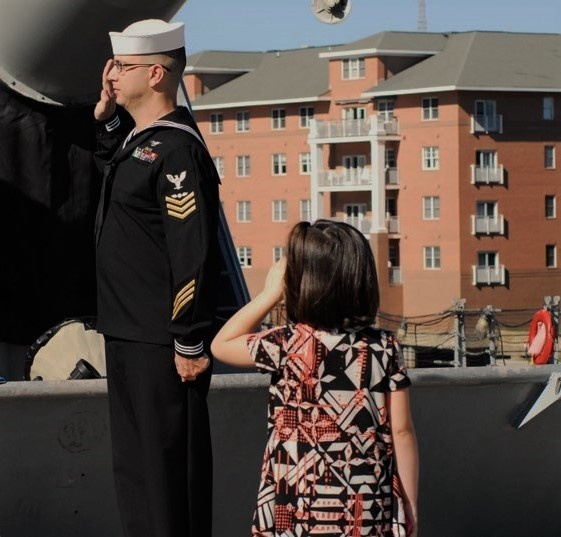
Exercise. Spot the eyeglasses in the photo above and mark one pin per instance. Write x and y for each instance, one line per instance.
(120, 66)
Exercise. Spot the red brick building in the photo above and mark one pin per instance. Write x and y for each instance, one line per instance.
(441, 148)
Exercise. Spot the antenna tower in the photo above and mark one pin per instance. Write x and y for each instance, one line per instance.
(422, 18)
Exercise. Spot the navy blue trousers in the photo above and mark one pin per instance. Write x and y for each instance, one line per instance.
(160, 436)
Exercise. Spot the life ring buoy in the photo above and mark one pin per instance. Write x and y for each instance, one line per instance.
(541, 337)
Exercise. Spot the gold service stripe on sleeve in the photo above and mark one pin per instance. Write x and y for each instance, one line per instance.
(179, 202)
(184, 296)
(184, 213)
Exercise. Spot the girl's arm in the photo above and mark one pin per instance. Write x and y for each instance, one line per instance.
(230, 344)
(406, 453)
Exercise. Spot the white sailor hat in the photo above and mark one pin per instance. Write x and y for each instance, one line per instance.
(148, 37)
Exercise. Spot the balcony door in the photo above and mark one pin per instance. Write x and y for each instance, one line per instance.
(486, 159)
(353, 168)
(486, 116)
(355, 214)
(487, 209)
(354, 113)
(385, 109)
(488, 260)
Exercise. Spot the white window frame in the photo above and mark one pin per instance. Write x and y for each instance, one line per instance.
(549, 157)
(243, 165)
(219, 165)
(487, 209)
(390, 157)
(279, 211)
(548, 108)
(430, 156)
(352, 68)
(429, 108)
(242, 121)
(306, 115)
(354, 112)
(278, 118)
(278, 253)
(385, 108)
(486, 158)
(550, 248)
(550, 209)
(245, 256)
(278, 164)
(485, 107)
(305, 163)
(216, 123)
(355, 213)
(485, 255)
(243, 211)
(306, 210)
(432, 258)
(431, 208)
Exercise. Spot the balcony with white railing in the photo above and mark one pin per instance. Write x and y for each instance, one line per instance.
(354, 128)
(487, 175)
(392, 177)
(386, 125)
(346, 128)
(362, 224)
(345, 177)
(486, 123)
(487, 225)
(488, 275)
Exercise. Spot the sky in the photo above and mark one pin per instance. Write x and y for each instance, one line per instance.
(285, 24)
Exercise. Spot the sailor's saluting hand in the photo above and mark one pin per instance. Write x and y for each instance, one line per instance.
(105, 107)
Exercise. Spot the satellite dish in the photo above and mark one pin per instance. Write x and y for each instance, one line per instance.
(331, 11)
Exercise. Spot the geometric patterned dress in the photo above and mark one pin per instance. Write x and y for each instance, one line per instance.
(328, 468)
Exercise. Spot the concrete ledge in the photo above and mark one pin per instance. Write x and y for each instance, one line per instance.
(479, 472)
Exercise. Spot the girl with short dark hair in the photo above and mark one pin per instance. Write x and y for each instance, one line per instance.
(341, 457)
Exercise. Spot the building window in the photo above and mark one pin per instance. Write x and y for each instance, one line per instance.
(550, 256)
(353, 68)
(305, 164)
(242, 121)
(306, 210)
(278, 252)
(357, 112)
(486, 159)
(279, 210)
(486, 209)
(430, 158)
(244, 256)
(430, 108)
(485, 118)
(390, 158)
(549, 157)
(431, 207)
(487, 260)
(279, 164)
(243, 210)
(243, 166)
(355, 214)
(216, 123)
(431, 257)
(550, 207)
(219, 165)
(385, 108)
(548, 110)
(306, 114)
(278, 118)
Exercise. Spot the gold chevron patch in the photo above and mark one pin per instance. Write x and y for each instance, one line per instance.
(181, 208)
(182, 298)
